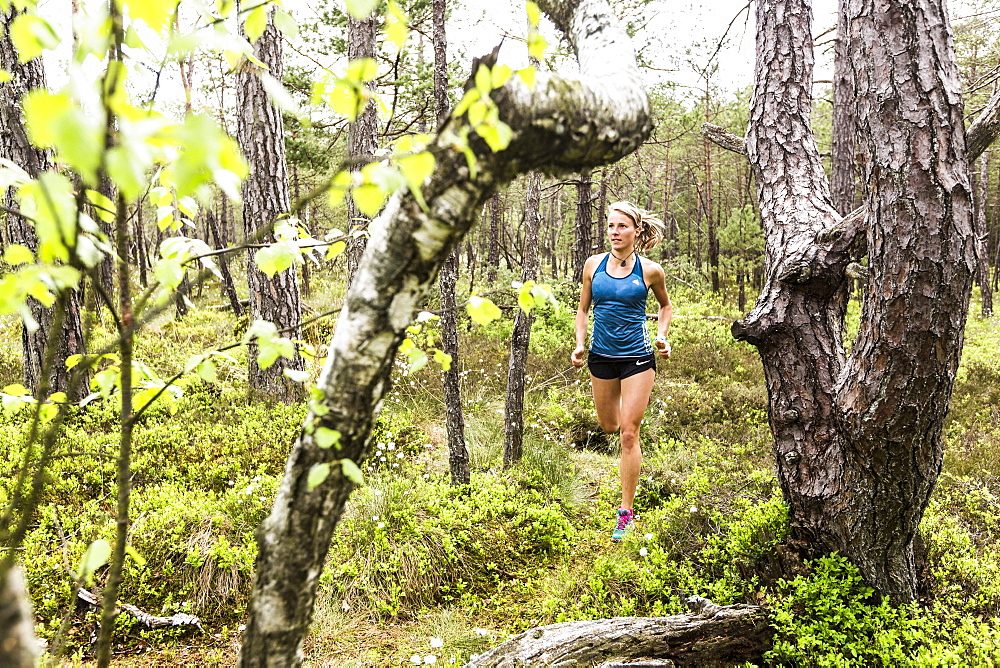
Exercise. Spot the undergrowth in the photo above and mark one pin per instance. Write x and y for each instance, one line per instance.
(415, 559)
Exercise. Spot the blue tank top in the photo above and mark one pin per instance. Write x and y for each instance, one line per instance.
(619, 313)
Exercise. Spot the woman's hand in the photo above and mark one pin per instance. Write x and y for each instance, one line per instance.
(577, 356)
(662, 346)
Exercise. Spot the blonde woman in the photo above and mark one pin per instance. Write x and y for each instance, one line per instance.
(622, 359)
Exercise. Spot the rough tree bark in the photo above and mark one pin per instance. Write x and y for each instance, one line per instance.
(843, 146)
(458, 452)
(260, 132)
(15, 146)
(562, 125)
(361, 136)
(513, 431)
(584, 224)
(858, 440)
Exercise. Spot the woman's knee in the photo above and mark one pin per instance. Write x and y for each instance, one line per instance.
(608, 427)
(629, 437)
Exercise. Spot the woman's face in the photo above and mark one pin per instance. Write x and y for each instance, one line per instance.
(621, 232)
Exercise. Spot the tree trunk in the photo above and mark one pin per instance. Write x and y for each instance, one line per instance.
(228, 285)
(265, 197)
(458, 452)
(843, 148)
(493, 258)
(858, 441)
(584, 225)
(406, 250)
(983, 237)
(713, 239)
(15, 146)
(18, 646)
(361, 138)
(717, 636)
(602, 212)
(513, 434)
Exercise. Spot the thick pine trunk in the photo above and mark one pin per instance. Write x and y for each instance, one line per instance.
(400, 265)
(858, 441)
(513, 433)
(260, 132)
(18, 646)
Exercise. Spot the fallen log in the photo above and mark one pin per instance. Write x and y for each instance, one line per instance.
(712, 635)
(144, 618)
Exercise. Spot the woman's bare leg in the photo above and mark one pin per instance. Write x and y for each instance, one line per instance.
(635, 392)
(607, 402)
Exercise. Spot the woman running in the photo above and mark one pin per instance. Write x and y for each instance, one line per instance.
(622, 360)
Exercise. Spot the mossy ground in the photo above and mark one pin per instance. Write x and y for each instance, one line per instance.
(416, 559)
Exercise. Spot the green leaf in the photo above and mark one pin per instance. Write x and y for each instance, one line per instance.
(477, 113)
(395, 25)
(169, 272)
(139, 560)
(50, 201)
(155, 13)
(361, 9)
(417, 359)
(525, 300)
(54, 120)
(484, 80)
(481, 310)
(351, 471)
(276, 258)
(16, 254)
(527, 76)
(31, 35)
(335, 249)
(497, 134)
(536, 46)
(284, 22)
(369, 198)
(96, 555)
(416, 169)
(499, 75)
(327, 438)
(534, 13)
(442, 358)
(361, 70)
(471, 95)
(256, 22)
(5, 76)
(207, 371)
(103, 206)
(317, 474)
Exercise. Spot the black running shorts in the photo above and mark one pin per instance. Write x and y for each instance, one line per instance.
(610, 368)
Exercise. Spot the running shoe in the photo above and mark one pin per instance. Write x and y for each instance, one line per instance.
(625, 523)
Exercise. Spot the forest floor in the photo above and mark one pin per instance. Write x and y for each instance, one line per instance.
(421, 572)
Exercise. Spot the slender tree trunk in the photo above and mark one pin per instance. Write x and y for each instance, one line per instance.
(228, 285)
(668, 192)
(458, 452)
(493, 259)
(602, 212)
(361, 137)
(513, 440)
(982, 237)
(407, 249)
(15, 146)
(843, 149)
(265, 198)
(858, 440)
(584, 225)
